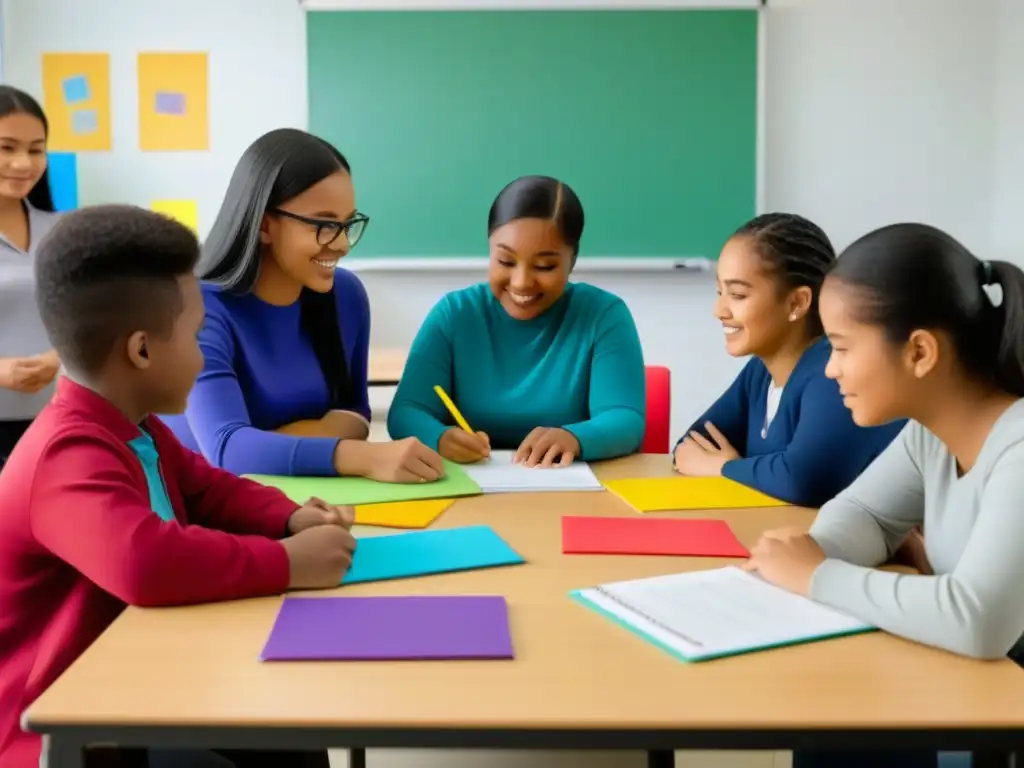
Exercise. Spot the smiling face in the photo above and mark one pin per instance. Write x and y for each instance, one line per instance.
(295, 251)
(754, 308)
(22, 154)
(880, 381)
(529, 267)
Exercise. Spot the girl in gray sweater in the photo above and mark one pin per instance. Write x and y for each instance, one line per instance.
(922, 330)
(28, 367)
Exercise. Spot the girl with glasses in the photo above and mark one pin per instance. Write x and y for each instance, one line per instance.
(287, 332)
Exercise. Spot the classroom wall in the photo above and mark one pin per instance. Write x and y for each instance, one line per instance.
(877, 110)
(257, 82)
(1008, 195)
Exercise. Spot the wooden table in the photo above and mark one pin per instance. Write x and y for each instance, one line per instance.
(191, 676)
(385, 366)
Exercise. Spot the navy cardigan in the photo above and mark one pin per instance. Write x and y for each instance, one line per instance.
(812, 449)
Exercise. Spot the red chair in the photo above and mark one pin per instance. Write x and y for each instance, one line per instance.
(659, 409)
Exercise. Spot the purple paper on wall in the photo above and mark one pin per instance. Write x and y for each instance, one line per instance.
(170, 103)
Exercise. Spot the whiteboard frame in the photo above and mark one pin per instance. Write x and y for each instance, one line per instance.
(525, 5)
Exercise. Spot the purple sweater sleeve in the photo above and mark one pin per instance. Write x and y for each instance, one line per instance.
(354, 312)
(219, 419)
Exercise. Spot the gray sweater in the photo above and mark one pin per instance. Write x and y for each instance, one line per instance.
(974, 536)
(21, 329)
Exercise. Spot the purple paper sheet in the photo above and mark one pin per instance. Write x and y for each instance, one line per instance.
(390, 628)
(168, 103)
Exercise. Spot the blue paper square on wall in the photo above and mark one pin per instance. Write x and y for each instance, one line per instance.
(76, 89)
(62, 169)
(84, 121)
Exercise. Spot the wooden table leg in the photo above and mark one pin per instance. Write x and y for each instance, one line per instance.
(661, 758)
(60, 753)
(357, 758)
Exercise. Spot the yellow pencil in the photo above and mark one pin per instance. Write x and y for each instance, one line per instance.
(452, 409)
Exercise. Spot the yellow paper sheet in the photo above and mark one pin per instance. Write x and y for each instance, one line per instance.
(185, 211)
(76, 99)
(661, 494)
(173, 102)
(402, 514)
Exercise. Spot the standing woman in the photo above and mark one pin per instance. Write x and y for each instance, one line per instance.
(27, 365)
(287, 332)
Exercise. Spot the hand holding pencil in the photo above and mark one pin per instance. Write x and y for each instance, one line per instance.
(461, 444)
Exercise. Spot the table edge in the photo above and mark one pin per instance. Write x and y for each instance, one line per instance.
(268, 736)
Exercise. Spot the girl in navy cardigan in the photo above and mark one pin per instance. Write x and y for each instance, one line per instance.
(781, 427)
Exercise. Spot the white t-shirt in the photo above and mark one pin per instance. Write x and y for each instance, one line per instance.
(771, 407)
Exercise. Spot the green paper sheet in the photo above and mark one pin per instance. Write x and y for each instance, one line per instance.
(359, 490)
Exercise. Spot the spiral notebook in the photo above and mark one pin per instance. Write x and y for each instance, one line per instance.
(703, 615)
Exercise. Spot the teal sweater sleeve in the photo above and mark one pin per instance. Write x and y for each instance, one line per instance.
(618, 397)
(416, 411)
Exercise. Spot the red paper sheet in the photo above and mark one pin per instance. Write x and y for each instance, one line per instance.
(649, 536)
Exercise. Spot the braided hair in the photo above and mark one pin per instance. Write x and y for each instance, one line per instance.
(795, 250)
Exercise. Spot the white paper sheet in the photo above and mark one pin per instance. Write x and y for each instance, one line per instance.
(718, 612)
(499, 475)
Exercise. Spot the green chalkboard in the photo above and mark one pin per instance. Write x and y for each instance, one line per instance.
(651, 116)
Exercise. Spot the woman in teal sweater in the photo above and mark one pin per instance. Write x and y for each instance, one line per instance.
(539, 365)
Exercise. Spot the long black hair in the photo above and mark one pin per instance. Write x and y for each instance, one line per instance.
(277, 167)
(795, 250)
(15, 102)
(540, 197)
(913, 276)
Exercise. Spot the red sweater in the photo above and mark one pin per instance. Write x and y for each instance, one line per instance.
(79, 540)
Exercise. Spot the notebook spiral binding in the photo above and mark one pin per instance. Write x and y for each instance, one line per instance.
(659, 624)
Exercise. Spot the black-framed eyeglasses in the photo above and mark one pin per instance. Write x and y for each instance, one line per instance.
(329, 230)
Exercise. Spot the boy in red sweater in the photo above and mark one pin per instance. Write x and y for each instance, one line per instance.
(100, 505)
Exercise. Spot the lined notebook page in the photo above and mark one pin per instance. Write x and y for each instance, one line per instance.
(719, 612)
(498, 474)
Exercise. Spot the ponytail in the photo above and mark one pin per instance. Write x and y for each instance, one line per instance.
(913, 276)
(1005, 291)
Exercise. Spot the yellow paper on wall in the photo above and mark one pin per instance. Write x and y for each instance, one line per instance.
(76, 99)
(662, 494)
(402, 514)
(173, 102)
(185, 211)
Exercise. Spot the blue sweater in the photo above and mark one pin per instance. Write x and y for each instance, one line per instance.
(260, 374)
(813, 449)
(578, 366)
